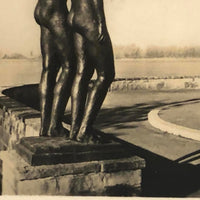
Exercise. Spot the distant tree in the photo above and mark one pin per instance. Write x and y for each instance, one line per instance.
(14, 56)
(129, 51)
(172, 51)
(155, 52)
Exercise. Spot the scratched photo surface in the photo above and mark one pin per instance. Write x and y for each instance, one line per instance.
(156, 43)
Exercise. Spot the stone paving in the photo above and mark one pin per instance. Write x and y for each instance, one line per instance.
(130, 122)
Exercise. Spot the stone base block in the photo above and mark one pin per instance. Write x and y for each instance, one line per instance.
(116, 177)
(55, 150)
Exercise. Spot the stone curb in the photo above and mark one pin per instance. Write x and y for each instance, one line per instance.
(155, 120)
(144, 83)
(156, 84)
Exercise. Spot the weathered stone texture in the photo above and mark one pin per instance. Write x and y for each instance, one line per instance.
(88, 178)
(54, 150)
(155, 83)
(123, 164)
(15, 121)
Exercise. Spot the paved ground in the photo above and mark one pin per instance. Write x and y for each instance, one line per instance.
(173, 163)
(125, 115)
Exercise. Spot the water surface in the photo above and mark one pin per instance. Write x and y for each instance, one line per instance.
(17, 72)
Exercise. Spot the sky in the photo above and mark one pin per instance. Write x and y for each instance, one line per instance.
(140, 22)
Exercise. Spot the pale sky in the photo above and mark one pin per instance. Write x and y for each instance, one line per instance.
(142, 22)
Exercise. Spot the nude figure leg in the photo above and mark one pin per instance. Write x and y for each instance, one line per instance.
(104, 65)
(62, 90)
(50, 69)
(84, 73)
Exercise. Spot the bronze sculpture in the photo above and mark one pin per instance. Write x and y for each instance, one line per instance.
(57, 51)
(93, 51)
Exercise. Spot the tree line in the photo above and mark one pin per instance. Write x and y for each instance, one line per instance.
(134, 51)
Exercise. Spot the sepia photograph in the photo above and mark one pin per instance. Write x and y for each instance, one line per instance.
(98, 98)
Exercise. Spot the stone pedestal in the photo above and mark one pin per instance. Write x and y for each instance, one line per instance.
(118, 174)
(55, 166)
(58, 150)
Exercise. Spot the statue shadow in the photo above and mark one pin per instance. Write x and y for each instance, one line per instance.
(127, 116)
(124, 117)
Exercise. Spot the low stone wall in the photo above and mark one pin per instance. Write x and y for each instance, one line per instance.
(17, 121)
(156, 83)
(28, 94)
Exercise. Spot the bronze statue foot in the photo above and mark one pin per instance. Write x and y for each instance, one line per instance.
(92, 137)
(43, 132)
(72, 135)
(58, 132)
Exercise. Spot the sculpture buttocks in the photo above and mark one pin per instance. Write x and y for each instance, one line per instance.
(51, 12)
(84, 19)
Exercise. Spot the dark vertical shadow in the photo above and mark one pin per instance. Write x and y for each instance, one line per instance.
(163, 177)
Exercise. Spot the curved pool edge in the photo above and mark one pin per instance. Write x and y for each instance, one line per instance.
(171, 128)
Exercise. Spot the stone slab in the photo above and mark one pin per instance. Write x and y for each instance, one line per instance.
(54, 150)
(86, 178)
(126, 183)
